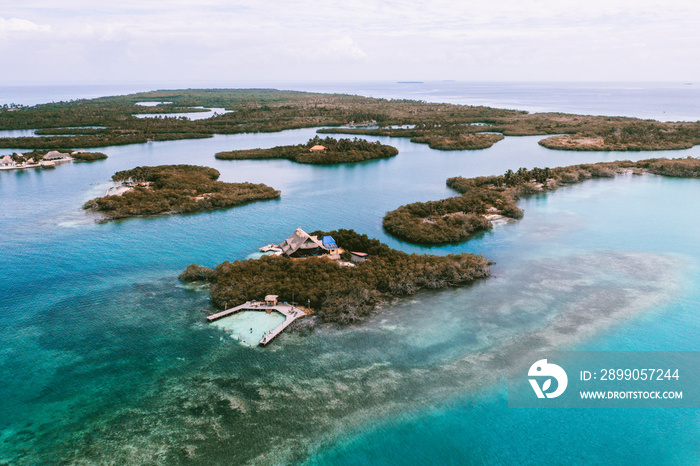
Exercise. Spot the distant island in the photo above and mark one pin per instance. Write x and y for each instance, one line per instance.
(637, 136)
(84, 156)
(46, 159)
(318, 151)
(171, 189)
(437, 139)
(110, 121)
(491, 198)
(337, 290)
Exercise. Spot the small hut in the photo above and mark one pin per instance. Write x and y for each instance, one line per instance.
(357, 257)
(318, 148)
(271, 300)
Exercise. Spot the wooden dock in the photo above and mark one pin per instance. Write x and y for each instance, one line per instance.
(233, 310)
(290, 313)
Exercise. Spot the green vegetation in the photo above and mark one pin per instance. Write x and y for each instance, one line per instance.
(440, 137)
(635, 136)
(458, 218)
(337, 151)
(175, 189)
(453, 219)
(678, 168)
(110, 121)
(338, 294)
(88, 156)
(450, 130)
(459, 141)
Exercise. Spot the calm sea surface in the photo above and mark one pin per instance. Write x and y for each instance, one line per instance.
(105, 358)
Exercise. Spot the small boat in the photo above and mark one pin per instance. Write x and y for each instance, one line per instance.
(269, 247)
(48, 164)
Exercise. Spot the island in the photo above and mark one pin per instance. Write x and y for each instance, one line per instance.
(439, 137)
(487, 199)
(113, 120)
(342, 277)
(318, 151)
(459, 141)
(636, 136)
(84, 156)
(171, 189)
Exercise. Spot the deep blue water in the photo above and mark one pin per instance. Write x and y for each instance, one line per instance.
(104, 356)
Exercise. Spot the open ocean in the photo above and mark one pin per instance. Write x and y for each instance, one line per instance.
(105, 357)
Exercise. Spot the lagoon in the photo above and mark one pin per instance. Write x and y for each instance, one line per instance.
(250, 327)
(210, 112)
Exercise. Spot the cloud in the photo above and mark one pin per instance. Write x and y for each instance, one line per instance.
(345, 48)
(21, 25)
(371, 39)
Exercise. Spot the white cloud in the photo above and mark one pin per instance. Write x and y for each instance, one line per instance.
(374, 39)
(21, 25)
(345, 48)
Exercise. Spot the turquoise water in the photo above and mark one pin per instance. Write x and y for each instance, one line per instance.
(105, 357)
(249, 327)
(630, 214)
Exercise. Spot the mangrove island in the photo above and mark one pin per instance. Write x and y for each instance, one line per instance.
(485, 199)
(170, 189)
(318, 151)
(324, 275)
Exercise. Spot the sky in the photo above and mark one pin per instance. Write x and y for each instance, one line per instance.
(209, 41)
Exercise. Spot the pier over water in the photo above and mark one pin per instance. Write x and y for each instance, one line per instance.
(291, 313)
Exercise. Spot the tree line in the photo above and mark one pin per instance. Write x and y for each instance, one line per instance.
(337, 151)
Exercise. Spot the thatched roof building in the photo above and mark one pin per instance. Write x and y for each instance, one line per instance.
(301, 244)
(7, 161)
(54, 155)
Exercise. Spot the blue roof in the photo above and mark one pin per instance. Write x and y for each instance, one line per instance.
(329, 242)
